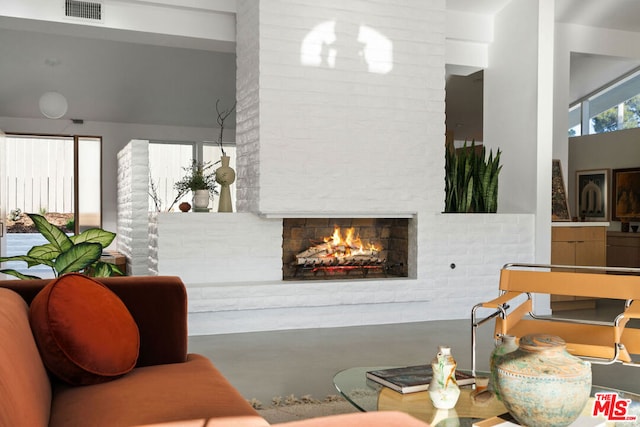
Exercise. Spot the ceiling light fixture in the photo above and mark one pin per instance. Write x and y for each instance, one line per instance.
(53, 105)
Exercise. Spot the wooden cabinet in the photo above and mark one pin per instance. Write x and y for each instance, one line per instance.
(577, 245)
(623, 249)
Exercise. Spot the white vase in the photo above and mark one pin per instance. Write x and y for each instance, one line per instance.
(443, 388)
(200, 199)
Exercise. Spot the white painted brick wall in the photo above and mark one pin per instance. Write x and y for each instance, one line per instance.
(133, 194)
(247, 107)
(219, 248)
(478, 245)
(332, 141)
(321, 128)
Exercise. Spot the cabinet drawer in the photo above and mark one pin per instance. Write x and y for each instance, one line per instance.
(623, 241)
(573, 234)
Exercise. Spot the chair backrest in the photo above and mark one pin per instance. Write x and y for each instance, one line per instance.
(584, 284)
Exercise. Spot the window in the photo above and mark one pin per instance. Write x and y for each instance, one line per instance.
(613, 107)
(575, 120)
(166, 163)
(60, 174)
(58, 177)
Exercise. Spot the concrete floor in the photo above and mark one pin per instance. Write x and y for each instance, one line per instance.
(263, 365)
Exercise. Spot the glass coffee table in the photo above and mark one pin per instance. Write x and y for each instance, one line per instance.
(367, 396)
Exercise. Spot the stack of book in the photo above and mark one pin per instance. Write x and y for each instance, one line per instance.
(411, 379)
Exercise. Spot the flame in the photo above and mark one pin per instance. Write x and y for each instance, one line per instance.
(339, 246)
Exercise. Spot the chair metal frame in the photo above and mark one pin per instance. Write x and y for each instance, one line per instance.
(503, 307)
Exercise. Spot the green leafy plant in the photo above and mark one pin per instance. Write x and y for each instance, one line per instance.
(471, 180)
(65, 254)
(198, 176)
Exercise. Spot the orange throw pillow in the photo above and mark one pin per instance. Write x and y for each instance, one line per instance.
(84, 332)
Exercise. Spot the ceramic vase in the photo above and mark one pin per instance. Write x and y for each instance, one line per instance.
(200, 200)
(443, 388)
(541, 384)
(225, 176)
(507, 344)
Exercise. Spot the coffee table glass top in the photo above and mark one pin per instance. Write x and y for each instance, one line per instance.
(367, 396)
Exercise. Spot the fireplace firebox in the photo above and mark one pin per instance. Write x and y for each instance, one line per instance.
(344, 248)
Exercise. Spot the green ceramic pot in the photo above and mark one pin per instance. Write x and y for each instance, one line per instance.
(541, 384)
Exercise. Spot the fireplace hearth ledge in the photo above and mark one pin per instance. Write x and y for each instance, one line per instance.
(216, 308)
(204, 297)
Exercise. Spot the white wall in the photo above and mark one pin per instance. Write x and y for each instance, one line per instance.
(342, 138)
(518, 111)
(510, 104)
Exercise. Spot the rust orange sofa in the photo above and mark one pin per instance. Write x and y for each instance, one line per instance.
(167, 387)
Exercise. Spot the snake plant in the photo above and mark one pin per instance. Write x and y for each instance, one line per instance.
(65, 254)
(471, 180)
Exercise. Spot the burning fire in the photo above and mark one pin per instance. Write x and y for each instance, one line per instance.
(337, 246)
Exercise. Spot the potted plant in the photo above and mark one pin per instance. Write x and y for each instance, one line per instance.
(200, 179)
(65, 254)
(471, 180)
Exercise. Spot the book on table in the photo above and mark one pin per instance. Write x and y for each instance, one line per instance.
(411, 379)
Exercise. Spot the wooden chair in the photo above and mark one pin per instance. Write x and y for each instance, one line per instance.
(597, 341)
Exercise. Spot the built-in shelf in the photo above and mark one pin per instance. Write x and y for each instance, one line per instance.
(579, 224)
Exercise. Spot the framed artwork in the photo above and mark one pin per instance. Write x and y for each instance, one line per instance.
(559, 205)
(626, 194)
(592, 194)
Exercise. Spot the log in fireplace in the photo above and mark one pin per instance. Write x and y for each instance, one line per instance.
(344, 248)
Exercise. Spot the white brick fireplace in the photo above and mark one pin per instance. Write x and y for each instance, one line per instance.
(340, 115)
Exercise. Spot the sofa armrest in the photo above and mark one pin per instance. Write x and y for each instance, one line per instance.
(157, 303)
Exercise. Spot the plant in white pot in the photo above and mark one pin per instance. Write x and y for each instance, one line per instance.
(200, 179)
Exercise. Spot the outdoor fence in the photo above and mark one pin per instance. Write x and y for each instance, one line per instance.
(39, 194)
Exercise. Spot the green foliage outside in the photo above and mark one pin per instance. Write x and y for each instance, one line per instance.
(66, 254)
(471, 180)
(607, 121)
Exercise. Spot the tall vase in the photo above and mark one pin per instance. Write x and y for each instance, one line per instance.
(200, 200)
(443, 388)
(225, 176)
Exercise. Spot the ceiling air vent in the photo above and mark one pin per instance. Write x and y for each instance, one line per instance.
(85, 10)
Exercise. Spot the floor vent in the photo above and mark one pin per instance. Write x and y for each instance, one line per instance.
(86, 10)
